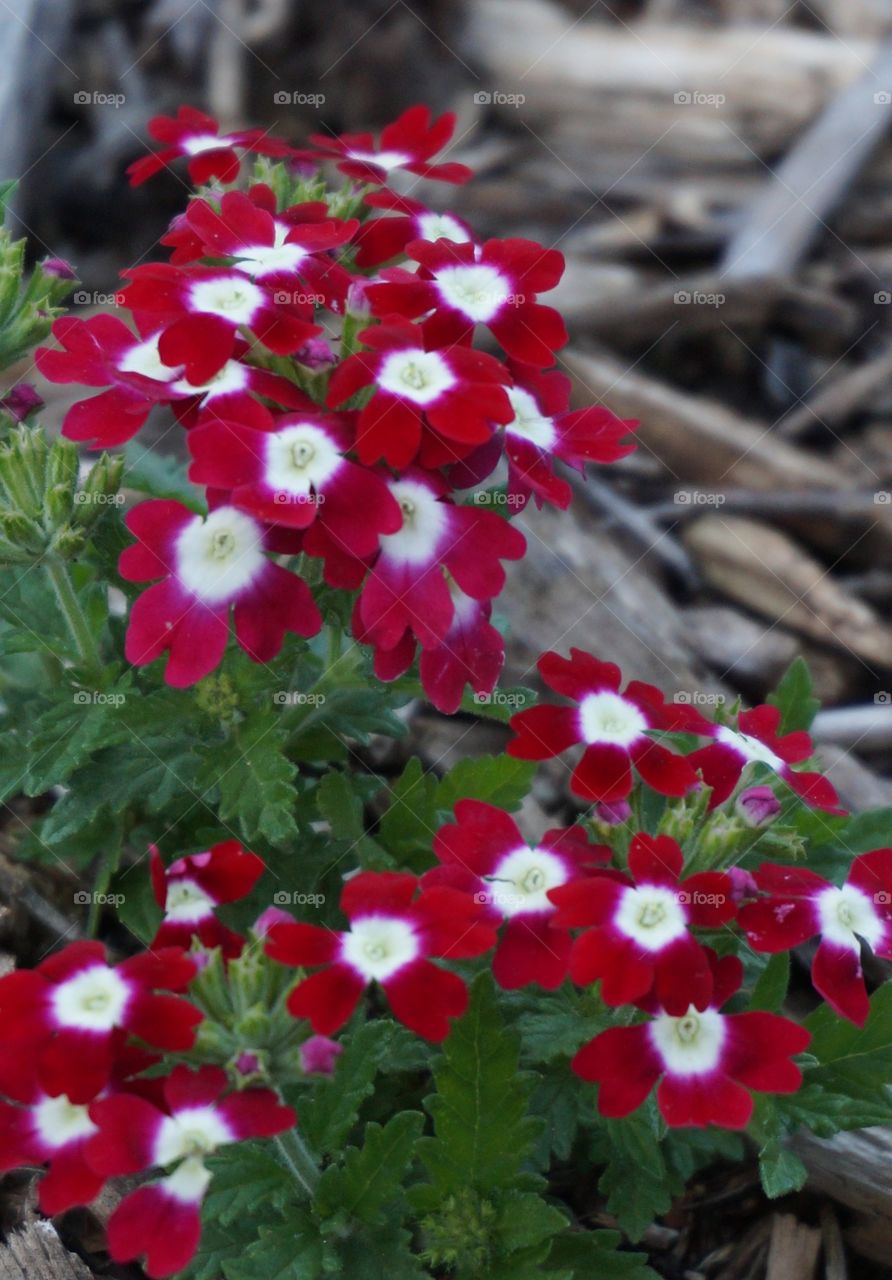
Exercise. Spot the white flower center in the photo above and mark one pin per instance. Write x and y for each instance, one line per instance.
(441, 226)
(59, 1121)
(235, 298)
(194, 1131)
(416, 375)
(188, 1182)
(143, 358)
(529, 422)
(298, 458)
(93, 1000)
(231, 378)
(753, 751)
(477, 290)
(218, 557)
(652, 915)
(521, 880)
(202, 142)
(377, 947)
(263, 259)
(848, 914)
(383, 159)
(187, 902)
(608, 718)
(690, 1045)
(424, 522)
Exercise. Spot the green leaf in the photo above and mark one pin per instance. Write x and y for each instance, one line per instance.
(594, 1255)
(780, 1170)
(635, 1180)
(292, 1251)
(481, 1127)
(770, 990)
(252, 780)
(793, 697)
(380, 1252)
(369, 1177)
(246, 1178)
(328, 1113)
(160, 475)
(853, 1061)
(526, 1220)
(340, 806)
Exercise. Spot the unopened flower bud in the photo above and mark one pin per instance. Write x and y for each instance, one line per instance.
(743, 884)
(59, 268)
(21, 400)
(613, 813)
(269, 917)
(318, 1055)
(758, 806)
(316, 354)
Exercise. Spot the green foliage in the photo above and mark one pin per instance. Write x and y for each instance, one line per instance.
(368, 1178)
(635, 1180)
(793, 697)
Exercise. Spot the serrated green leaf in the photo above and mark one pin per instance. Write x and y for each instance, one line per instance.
(635, 1178)
(328, 1114)
(482, 1132)
(252, 780)
(526, 1220)
(341, 807)
(246, 1178)
(292, 1251)
(853, 1061)
(160, 475)
(793, 697)
(369, 1177)
(594, 1255)
(379, 1252)
(780, 1170)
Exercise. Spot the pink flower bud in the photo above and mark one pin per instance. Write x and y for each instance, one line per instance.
(743, 884)
(21, 400)
(247, 1064)
(758, 806)
(357, 302)
(59, 268)
(316, 353)
(269, 917)
(613, 813)
(318, 1055)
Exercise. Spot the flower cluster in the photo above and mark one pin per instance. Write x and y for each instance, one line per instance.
(318, 346)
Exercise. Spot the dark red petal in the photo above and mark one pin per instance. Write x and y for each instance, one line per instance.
(424, 998)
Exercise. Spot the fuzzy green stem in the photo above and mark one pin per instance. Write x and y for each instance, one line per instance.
(75, 618)
(301, 1164)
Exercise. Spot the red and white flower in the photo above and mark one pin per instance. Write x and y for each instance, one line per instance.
(457, 392)
(460, 286)
(641, 942)
(407, 587)
(410, 143)
(211, 154)
(163, 1220)
(613, 726)
(66, 1012)
(705, 1062)
(756, 740)
(799, 905)
(296, 474)
(208, 566)
(191, 888)
(394, 933)
(484, 852)
(291, 250)
(381, 239)
(202, 309)
(544, 430)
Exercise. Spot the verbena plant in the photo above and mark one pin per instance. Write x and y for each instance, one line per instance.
(518, 1021)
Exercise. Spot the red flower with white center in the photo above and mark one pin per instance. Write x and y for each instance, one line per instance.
(394, 931)
(706, 1062)
(407, 587)
(66, 1011)
(290, 251)
(381, 239)
(458, 392)
(514, 882)
(191, 888)
(756, 740)
(163, 1220)
(103, 352)
(202, 310)
(641, 941)
(612, 725)
(54, 1131)
(207, 566)
(541, 431)
(211, 154)
(495, 285)
(410, 143)
(297, 474)
(471, 653)
(800, 905)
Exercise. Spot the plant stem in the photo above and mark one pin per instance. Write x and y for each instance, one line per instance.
(75, 618)
(300, 1162)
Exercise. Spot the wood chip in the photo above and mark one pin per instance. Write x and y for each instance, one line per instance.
(793, 1252)
(37, 1253)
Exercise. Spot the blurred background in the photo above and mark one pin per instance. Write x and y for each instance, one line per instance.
(718, 177)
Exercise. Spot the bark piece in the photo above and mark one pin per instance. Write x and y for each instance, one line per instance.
(37, 1253)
